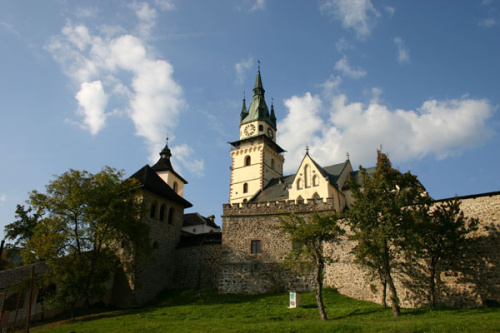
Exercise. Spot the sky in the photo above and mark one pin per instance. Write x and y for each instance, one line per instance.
(87, 84)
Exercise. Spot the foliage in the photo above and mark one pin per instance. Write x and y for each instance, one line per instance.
(207, 311)
(83, 216)
(308, 238)
(381, 220)
(21, 230)
(441, 231)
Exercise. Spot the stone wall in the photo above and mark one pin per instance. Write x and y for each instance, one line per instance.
(197, 267)
(243, 272)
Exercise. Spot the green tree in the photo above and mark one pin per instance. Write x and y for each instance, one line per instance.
(21, 230)
(85, 216)
(441, 231)
(381, 220)
(308, 238)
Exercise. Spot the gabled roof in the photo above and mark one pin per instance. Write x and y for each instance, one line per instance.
(196, 219)
(277, 188)
(150, 181)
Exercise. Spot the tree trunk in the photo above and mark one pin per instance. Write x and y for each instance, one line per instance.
(319, 292)
(396, 311)
(384, 288)
(432, 286)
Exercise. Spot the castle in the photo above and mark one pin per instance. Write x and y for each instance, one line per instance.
(189, 251)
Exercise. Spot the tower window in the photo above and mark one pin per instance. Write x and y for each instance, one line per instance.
(171, 215)
(255, 247)
(176, 187)
(248, 160)
(245, 188)
(152, 211)
(272, 163)
(162, 212)
(261, 128)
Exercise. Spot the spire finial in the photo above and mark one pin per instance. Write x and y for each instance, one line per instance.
(307, 149)
(258, 62)
(347, 156)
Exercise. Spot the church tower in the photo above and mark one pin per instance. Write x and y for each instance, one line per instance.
(256, 157)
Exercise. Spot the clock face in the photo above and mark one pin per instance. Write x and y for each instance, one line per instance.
(270, 133)
(249, 129)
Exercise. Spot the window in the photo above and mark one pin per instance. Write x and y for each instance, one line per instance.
(248, 160)
(261, 128)
(152, 212)
(299, 184)
(306, 176)
(176, 187)
(171, 215)
(162, 212)
(272, 163)
(315, 180)
(300, 199)
(255, 246)
(245, 188)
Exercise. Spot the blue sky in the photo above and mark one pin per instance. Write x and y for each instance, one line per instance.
(84, 84)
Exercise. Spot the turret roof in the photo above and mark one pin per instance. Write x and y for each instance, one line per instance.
(258, 109)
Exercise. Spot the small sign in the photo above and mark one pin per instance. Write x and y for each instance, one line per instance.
(294, 300)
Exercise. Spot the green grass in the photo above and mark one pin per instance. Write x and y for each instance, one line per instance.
(206, 311)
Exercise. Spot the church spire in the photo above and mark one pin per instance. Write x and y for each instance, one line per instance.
(273, 116)
(164, 161)
(244, 111)
(259, 88)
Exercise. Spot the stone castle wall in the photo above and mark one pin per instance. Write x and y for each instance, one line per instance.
(242, 272)
(197, 267)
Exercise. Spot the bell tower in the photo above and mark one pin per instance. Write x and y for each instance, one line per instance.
(256, 157)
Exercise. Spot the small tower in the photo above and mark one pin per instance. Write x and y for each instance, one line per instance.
(256, 158)
(167, 173)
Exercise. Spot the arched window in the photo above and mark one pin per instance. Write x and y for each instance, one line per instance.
(245, 188)
(162, 213)
(152, 211)
(245, 200)
(299, 184)
(316, 197)
(248, 160)
(306, 176)
(300, 199)
(261, 128)
(171, 215)
(176, 187)
(272, 163)
(315, 180)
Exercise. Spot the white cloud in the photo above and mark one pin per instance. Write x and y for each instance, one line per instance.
(403, 51)
(3, 198)
(343, 45)
(184, 154)
(357, 15)
(242, 68)
(258, 5)
(390, 10)
(165, 4)
(92, 102)
(487, 23)
(113, 67)
(343, 66)
(334, 126)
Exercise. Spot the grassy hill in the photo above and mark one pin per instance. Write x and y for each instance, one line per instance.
(206, 311)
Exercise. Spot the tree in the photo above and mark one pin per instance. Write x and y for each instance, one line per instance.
(84, 217)
(307, 246)
(21, 230)
(441, 231)
(381, 220)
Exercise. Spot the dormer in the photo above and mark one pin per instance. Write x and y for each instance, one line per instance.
(167, 173)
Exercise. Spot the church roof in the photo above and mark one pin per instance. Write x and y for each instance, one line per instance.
(269, 142)
(277, 188)
(150, 181)
(258, 109)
